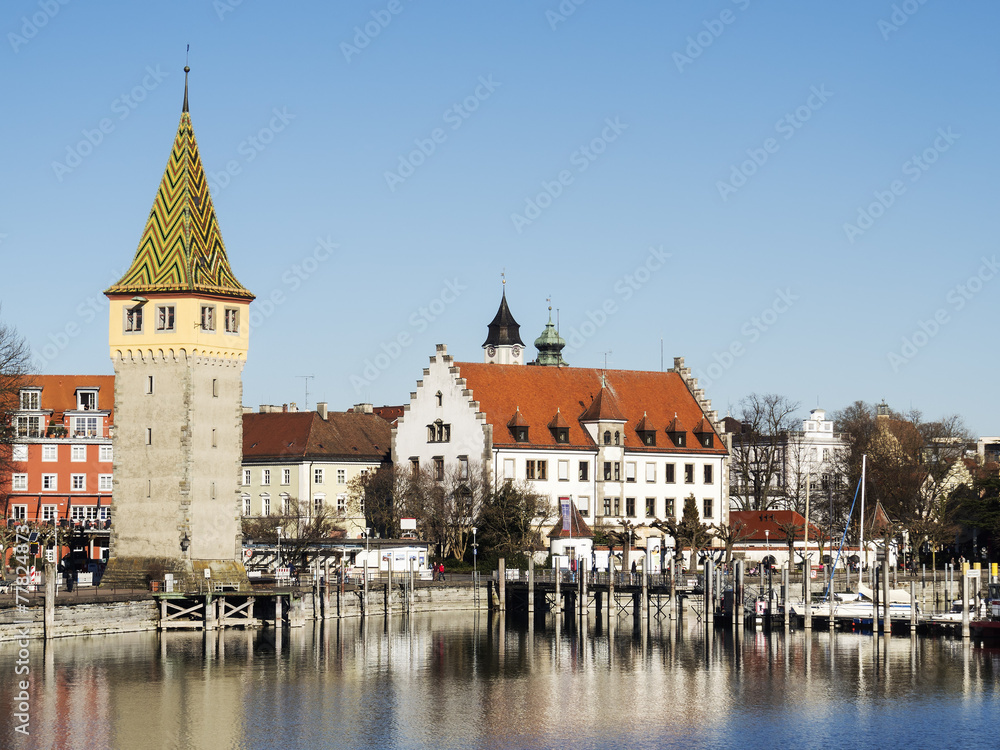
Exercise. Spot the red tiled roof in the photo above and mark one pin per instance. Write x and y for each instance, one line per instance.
(645, 424)
(517, 420)
(757, 523)
(389, 413)
(291, 435)
(59, 392)
(558, 422)
(578, 528)
(537, 392)
(604, 407)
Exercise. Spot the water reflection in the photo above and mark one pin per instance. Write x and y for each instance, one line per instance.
(465, 680)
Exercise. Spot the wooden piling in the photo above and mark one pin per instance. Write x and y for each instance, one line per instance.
(785, 574)
(966, 632)
(50, 600)
(709, 597)
(886, 621)
(531, 588)
(502, 583)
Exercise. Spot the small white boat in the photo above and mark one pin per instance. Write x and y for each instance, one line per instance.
(820, 607)
(954, 615)
(863, 607)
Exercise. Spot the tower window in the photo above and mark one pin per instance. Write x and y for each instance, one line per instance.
(149, 384)
(149, 436)
(164, 317)
(607, 437)
(208, 317)
(133, 320)
(440, 398)
(215, 388)
(232, 320)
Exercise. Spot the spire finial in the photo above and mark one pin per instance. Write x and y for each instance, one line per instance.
(186, 71)
(503, 278)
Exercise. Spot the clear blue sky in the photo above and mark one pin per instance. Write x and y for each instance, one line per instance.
(736, 138)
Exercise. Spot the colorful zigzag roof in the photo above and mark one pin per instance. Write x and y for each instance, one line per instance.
(181, 249)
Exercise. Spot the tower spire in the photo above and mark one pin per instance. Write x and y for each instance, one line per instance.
(186, 71)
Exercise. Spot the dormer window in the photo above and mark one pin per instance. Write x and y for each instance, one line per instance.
(31, 400)
(678, 439)
(86, 400)
(518, 427)
(705, 433)
(646, 431)
(559, 428)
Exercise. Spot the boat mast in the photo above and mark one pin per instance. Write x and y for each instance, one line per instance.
(861, 541)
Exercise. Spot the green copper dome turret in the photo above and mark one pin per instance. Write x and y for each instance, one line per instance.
(550, 345)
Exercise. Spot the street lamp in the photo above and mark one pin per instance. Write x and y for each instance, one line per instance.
(475, 553)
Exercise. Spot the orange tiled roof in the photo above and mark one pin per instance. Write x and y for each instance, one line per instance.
(538, 392)
(59, 392)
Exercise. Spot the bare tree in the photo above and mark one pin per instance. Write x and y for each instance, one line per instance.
(15, 360)
(731, 534)
(757, 462)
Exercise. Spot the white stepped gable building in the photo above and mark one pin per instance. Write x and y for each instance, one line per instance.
(618, 444)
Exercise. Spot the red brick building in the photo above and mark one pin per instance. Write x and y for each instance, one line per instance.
(62, 457)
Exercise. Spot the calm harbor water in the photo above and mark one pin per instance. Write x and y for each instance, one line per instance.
(467, 681)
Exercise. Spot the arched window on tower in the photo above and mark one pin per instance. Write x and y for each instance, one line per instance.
(607, 437)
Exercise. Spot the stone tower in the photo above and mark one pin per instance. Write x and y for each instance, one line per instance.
(178, 338)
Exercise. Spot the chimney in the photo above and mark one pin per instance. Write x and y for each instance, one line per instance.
(284, 408)
(293, 406)
(363, 409)
(321, 408)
